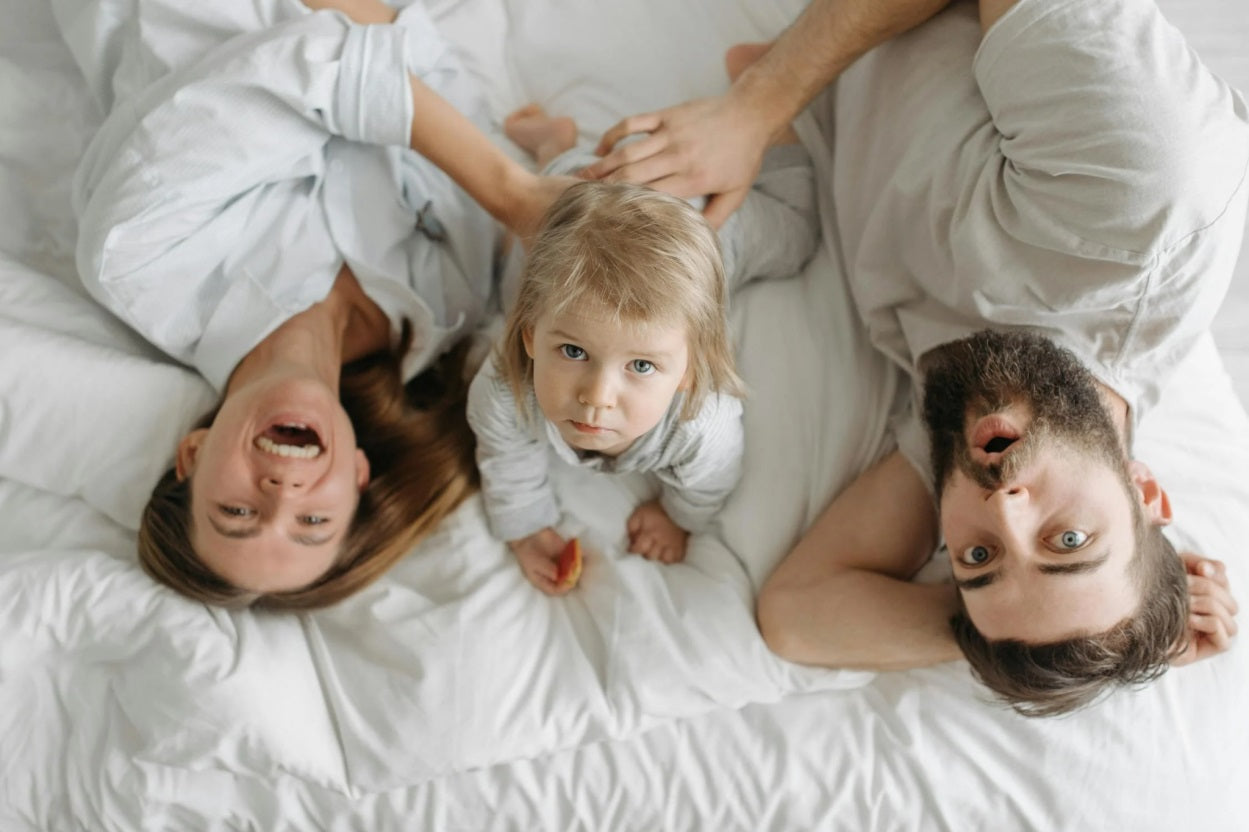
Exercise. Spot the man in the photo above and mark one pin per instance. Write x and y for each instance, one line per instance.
(1069, 176)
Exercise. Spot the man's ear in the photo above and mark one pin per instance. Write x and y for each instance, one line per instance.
(1154, 499)
(188, 452)
(526, 335)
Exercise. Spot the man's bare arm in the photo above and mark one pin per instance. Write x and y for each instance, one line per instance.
(714, 146)
(843, 596)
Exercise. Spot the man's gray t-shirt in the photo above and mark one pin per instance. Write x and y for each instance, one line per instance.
(1081, 175)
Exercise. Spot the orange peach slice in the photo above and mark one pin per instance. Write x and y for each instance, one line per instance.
(568, 567)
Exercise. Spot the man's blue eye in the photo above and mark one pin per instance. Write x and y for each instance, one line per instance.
(1072, 539)
(642, 367)
(572, 351)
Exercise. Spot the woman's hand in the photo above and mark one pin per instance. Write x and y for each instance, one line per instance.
(537, 555)
(1212, 613)
(530, 198)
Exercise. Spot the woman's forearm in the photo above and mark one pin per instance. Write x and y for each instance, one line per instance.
(451, 141)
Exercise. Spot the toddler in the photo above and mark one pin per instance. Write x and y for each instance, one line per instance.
(616, 353)
(616, 356)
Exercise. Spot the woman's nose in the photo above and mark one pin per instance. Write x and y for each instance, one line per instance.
(277, 483)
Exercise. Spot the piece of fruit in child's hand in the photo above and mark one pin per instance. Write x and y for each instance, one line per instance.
(568, 567)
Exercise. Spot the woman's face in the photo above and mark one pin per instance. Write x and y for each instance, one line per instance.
(275, 482)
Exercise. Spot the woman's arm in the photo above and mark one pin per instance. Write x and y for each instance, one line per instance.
(511, 193)
(843, 596)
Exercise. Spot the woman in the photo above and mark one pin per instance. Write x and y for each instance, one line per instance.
(253, 206)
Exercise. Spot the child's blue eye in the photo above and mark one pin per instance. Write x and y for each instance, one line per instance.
(975, 555)
(641, 367)
(572, 351)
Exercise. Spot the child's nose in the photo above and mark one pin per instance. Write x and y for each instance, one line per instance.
(597, 391)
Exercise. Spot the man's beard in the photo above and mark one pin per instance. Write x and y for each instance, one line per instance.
(987, 372)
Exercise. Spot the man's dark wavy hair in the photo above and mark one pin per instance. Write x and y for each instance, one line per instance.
(1063, 676)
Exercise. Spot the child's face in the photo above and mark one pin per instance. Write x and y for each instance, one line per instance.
(604, 383)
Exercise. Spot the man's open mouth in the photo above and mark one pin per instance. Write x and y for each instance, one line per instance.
(998, 444)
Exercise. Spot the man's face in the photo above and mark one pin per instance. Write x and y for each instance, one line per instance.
(1034, 489)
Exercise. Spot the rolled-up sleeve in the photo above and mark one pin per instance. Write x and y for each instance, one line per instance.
(1115, 141)
(203, 186)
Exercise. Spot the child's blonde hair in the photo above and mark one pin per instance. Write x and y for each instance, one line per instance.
(641, 256)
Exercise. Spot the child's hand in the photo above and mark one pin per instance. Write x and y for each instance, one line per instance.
(654, 536)
(538, 555)
(1211, 618)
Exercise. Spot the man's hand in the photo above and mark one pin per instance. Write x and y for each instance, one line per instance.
(537, 555)
(654, 536)
(709, 147)
(1212, 613)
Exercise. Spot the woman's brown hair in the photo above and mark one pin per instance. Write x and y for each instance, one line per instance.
(420, 452)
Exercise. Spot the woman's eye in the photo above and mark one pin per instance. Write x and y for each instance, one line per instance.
(572, 351)
(1070, 539)
(975, 555)
(312, 519)
(236, 511)
(641, 367)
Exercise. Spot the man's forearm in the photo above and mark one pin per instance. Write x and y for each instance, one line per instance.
(826, 38)
(860, 619)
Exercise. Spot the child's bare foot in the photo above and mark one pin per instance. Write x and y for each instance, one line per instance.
(360, 11)
(542, 136)
(742, 55)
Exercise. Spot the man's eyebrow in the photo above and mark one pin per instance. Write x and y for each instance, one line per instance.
(1074, 568)
(978, 581)
(237, 534)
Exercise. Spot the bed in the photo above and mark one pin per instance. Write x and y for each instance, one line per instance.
(450, 695)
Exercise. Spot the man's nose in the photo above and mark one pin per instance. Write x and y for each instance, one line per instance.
(1011, 508)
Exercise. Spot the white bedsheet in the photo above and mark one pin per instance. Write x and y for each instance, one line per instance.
(451, 695)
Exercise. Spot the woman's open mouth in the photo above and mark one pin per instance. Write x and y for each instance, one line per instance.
(293, 440)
